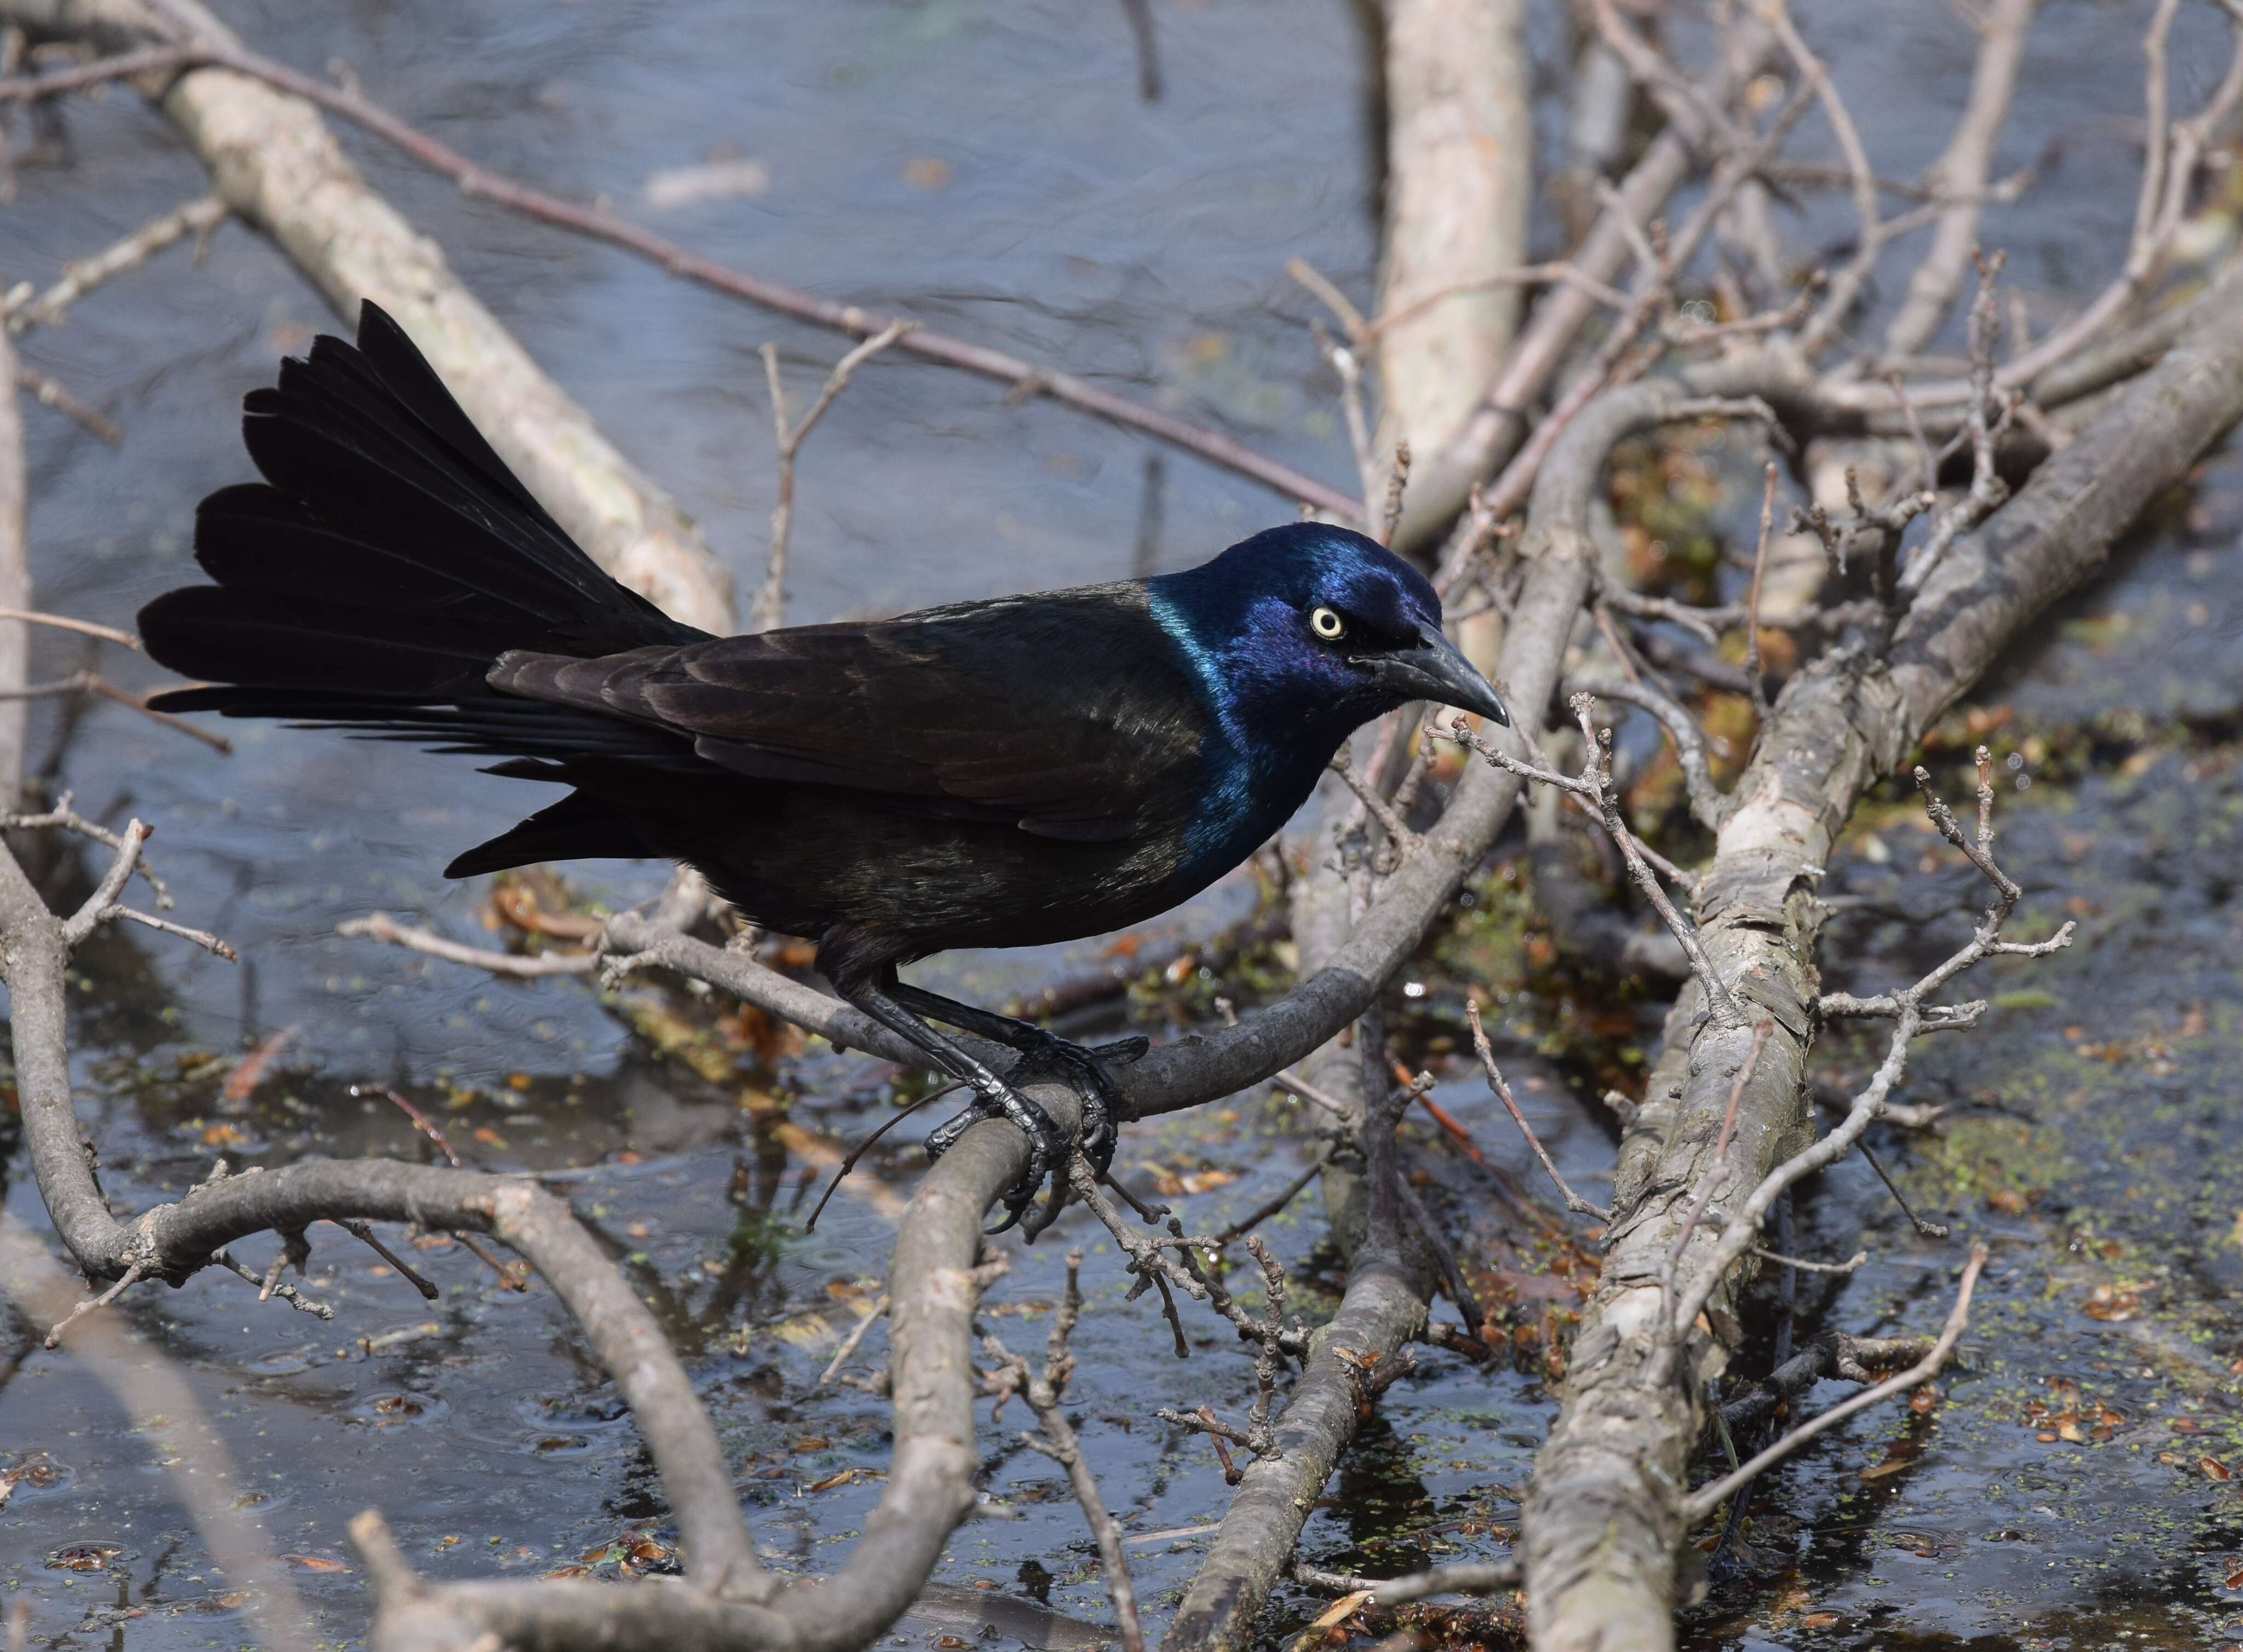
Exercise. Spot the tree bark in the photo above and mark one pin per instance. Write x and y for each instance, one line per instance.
(1458, 148)
(15, 581)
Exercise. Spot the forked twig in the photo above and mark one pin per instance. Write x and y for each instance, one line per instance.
(771, 601)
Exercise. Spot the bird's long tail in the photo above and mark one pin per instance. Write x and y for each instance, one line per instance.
(385, 562)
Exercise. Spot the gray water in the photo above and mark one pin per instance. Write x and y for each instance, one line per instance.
(994, 170)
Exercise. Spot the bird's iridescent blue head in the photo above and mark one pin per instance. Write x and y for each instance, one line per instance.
(1313, 627)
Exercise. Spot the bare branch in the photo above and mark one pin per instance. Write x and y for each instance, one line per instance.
(146, 60)
(61, 817)
(1708, 804)
(198, 217)
(380, 925)
(851, 1343)
(1988, 490)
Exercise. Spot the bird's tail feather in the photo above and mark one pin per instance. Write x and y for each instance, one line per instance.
(579, 828)
(385, 562)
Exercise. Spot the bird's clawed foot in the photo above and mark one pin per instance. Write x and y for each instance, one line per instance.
(1085, 1069)
(1048, 1145)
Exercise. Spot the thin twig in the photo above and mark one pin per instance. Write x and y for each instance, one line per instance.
(1397, 479)
(125, 1281)
(202, 938)
(1988, 490)
(63, 817)
(380, 925)
(50, 392)
(1501, 1088)
(198, 216)
(1347, 366)
(851, 1343)
(1398, 830)
(31, 88)
(849, 1163)
(771, 602)
(365, 1232)
(421, 1122)
(1277, 1201)
(1457, 1577)
(267, 1290)
(1042, 1392)
(1445, 1255)
(1707, 1499)
(1924, 1230)
(1709, 807)
(94, 683)
(1848, 1265)
(1341, 307)
(63, 622)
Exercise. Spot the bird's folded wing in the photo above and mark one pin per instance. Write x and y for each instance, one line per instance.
(1065, 715)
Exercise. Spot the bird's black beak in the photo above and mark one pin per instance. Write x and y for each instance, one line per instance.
(1436, 670)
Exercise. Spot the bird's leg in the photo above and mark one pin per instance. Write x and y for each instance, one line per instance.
(994, 1097)
(1102, 1106)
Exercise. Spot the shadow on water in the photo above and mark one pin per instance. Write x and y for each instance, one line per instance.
(995, 170)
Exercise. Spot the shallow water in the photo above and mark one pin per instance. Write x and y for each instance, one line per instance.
(994, 170)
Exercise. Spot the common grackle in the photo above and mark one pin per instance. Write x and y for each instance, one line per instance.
(998, 773)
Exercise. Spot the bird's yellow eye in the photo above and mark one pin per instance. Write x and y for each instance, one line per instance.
(1327, 624)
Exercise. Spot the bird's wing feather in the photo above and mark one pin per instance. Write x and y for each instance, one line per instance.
(1063, 714)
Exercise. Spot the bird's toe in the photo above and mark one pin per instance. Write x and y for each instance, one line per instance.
(944, 1137)
(1121, 1051)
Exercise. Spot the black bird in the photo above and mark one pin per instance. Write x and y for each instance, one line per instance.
(998, 773)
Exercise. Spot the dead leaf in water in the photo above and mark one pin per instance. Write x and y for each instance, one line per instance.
(2114, 1303)
(84, 1557)
(249, 1072)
